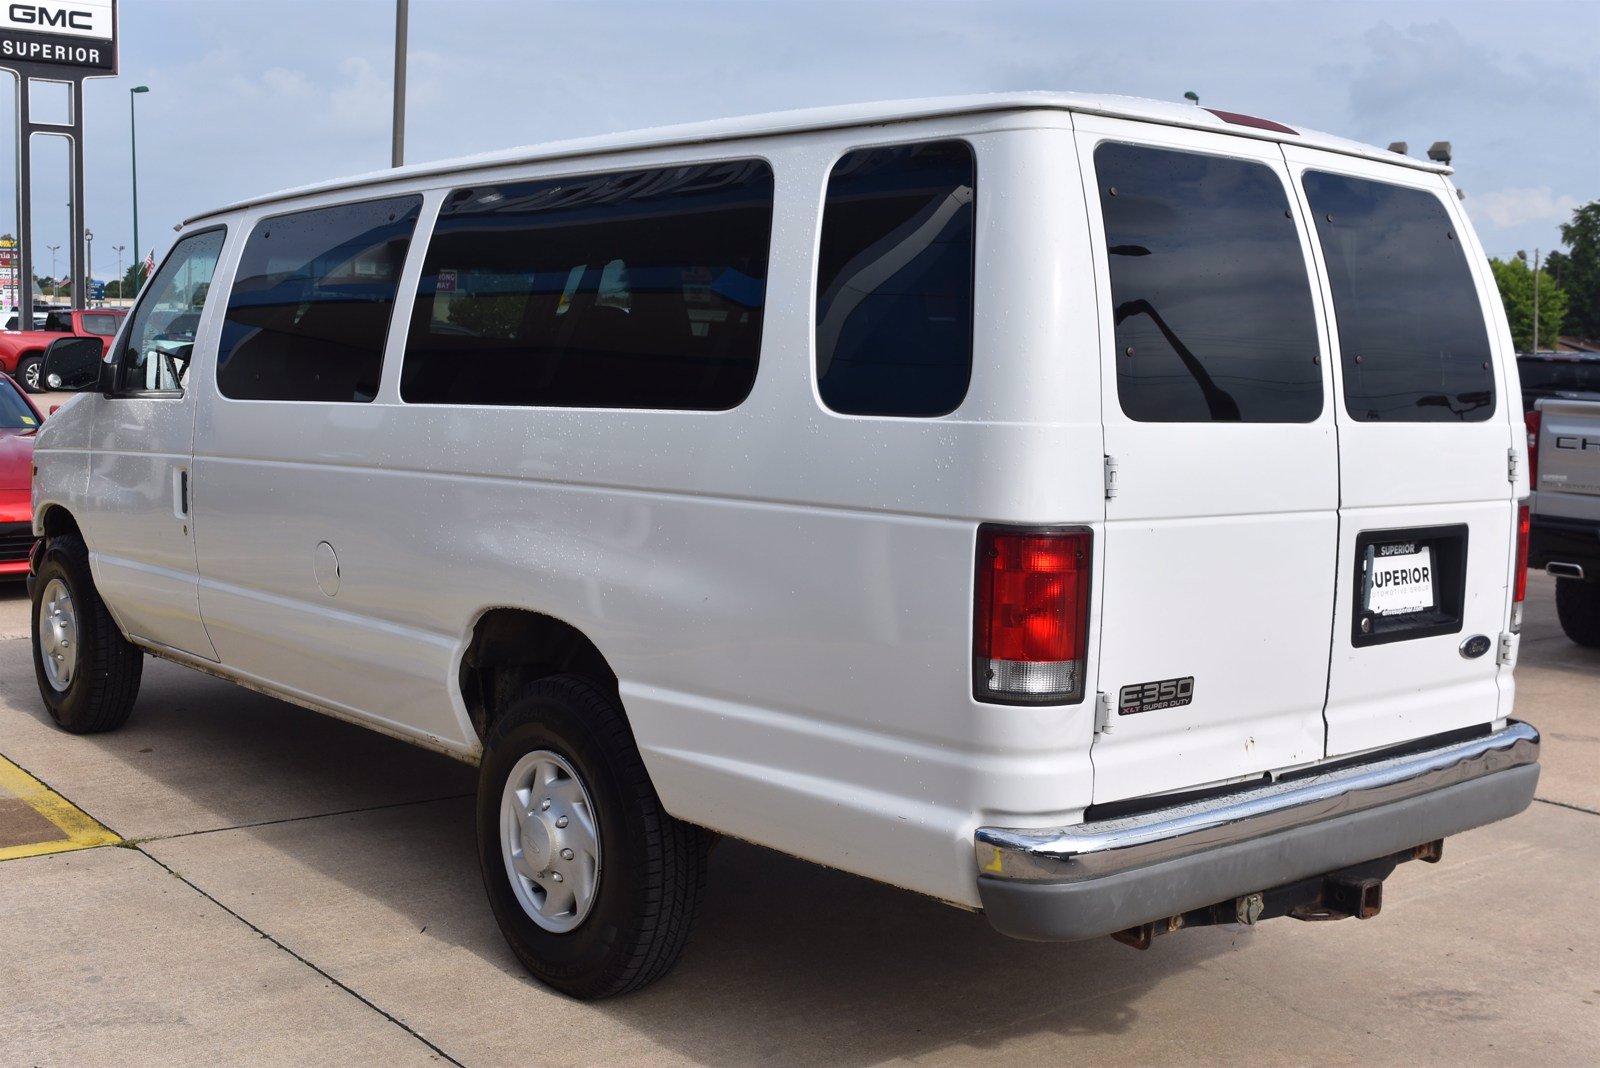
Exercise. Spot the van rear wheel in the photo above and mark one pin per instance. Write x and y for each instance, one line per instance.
(596, 887)
(1578, 608)
(88, 672)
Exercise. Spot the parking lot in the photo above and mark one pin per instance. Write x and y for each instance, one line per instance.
(289, 889)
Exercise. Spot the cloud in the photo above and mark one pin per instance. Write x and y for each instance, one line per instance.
(1507, 208)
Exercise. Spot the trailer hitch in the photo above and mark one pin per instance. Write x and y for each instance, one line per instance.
(1355, 891)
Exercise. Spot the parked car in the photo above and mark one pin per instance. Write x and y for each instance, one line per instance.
(1564, 459)
(22, 351)
(1101, 513)
(39, 320)
(19, 423)
(1558, 374)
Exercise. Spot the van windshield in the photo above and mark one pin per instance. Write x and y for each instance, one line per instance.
(1412, 338)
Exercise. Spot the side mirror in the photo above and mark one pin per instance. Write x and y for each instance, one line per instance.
(72, 364)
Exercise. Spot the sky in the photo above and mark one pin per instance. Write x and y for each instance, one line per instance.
(250, 96)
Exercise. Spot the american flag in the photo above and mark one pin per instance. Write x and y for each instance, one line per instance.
(150, 262)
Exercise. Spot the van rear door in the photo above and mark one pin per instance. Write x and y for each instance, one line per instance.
(1218, 412)
(1425, 414)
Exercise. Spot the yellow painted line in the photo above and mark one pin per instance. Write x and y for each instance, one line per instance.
(81, 830)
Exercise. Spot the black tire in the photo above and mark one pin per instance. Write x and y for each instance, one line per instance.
(653, 867)
(100, 692)
(30, 371)
(1578, 608)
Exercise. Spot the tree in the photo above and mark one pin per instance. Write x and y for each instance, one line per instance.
(1515, 281)
(1579, 270)
(129, 282)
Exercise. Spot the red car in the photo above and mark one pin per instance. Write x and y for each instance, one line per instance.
(22, 351)
(19, 421)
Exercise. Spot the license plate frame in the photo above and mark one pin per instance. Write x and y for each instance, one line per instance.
(1384, 612)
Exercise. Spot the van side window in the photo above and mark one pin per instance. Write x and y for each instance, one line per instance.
(639, 289)
(311, 303)
(1210, 292)
(158, 343)
(1412, 338)
(894, 281)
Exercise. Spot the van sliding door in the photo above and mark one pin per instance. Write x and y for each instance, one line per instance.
(1218, 413)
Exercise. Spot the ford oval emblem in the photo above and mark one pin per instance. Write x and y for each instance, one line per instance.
(1475, 646)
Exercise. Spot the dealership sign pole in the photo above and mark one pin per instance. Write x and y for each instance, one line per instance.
(59, 42)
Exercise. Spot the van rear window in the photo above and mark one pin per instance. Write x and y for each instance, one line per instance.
(635, 289)
(310, 308)
(1210, 290)
(894, 281)
(1412, 338)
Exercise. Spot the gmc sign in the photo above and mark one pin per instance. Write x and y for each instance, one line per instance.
(75, 18)
(71, 34)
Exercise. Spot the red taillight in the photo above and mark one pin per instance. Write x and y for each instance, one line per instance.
(1032, 615)
(1532, 420)
(1523, 526)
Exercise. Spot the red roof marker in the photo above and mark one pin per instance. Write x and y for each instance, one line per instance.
(1250, 120)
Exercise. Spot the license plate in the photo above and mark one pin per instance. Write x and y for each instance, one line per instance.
(1400, 579)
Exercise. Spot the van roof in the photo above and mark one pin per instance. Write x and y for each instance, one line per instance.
(843, 116)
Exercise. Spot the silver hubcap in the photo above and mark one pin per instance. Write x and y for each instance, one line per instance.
(58, 635)
(30, 372)
(550, 840)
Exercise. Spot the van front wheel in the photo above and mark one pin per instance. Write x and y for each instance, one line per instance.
(1578, 608)
(595, 886)
(88, 672)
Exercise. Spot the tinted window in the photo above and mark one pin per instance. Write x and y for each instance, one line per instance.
(311, 302)
(1412, 339)
(1547, 377)
(642, 289)
(894, 281)
(58, 322)
(156, 348)
(103, 325)
(15, 414)
(1209, 289)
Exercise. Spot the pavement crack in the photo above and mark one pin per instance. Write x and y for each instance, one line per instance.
(300, 819)
(407, 1028)
(1565, 804)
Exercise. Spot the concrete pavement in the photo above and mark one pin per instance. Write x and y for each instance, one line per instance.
(298, 890)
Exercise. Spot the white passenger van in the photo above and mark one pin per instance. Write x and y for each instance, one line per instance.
(1097, 512)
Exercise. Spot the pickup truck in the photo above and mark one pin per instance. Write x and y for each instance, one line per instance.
(22, 351)
(1564, 459)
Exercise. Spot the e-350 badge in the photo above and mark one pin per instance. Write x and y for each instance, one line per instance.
(1154, 696)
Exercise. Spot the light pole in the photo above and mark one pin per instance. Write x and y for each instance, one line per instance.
(397, 150)
(133, 153)
(1523, 256)
(88, 265)
(119, 249)
(55, 279)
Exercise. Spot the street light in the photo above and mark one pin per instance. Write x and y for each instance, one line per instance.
(1193, 97)
(55, 279)
(119, 249)
(88, 265)
(1523, 256)
(133, 152)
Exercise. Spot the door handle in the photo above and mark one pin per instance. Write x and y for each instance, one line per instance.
(180, 493)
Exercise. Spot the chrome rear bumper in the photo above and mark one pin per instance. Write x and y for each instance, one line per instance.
(1090, 879)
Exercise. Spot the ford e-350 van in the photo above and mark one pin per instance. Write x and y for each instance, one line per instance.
(1100, 513)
